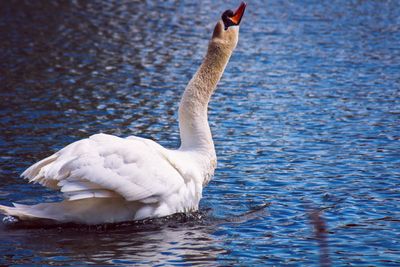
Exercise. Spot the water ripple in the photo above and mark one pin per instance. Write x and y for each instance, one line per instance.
(305, 118)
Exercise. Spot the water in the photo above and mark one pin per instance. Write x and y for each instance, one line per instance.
(306, 118)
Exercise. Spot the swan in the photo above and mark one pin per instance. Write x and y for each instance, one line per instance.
(108, 179)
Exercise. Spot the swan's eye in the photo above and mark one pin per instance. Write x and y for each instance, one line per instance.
(231, 18)
(226, 18)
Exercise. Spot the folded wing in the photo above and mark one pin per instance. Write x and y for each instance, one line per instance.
(105, 166)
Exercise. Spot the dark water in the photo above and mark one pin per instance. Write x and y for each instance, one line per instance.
(306, 118)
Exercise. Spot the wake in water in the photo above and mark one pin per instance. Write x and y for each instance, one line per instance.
(202, 217)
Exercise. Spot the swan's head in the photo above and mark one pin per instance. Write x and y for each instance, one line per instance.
(226, 32)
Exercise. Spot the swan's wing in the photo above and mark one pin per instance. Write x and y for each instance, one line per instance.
(108, 166)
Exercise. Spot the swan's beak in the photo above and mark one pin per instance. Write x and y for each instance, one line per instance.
(237, 16)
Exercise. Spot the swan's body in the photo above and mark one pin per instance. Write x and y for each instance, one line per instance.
(108, 179)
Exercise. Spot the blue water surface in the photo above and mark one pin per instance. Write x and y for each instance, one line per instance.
(306, 123)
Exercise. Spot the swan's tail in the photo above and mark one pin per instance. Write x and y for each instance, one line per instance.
(51, 211)
(86, 211)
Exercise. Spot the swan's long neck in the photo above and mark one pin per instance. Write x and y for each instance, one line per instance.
(193, 123)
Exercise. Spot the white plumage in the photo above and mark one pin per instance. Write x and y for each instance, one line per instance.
(141, 178)
(106, 179)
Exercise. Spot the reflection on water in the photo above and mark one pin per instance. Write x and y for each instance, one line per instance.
(306, 115)
(175, 239)
(126, 245)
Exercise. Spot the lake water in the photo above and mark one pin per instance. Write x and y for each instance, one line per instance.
(306, 123)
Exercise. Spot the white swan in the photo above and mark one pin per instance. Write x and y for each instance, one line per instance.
(107, 179)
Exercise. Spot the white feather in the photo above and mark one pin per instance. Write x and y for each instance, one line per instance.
(146, 179)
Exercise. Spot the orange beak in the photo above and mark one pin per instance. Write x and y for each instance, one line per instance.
(237, 16)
